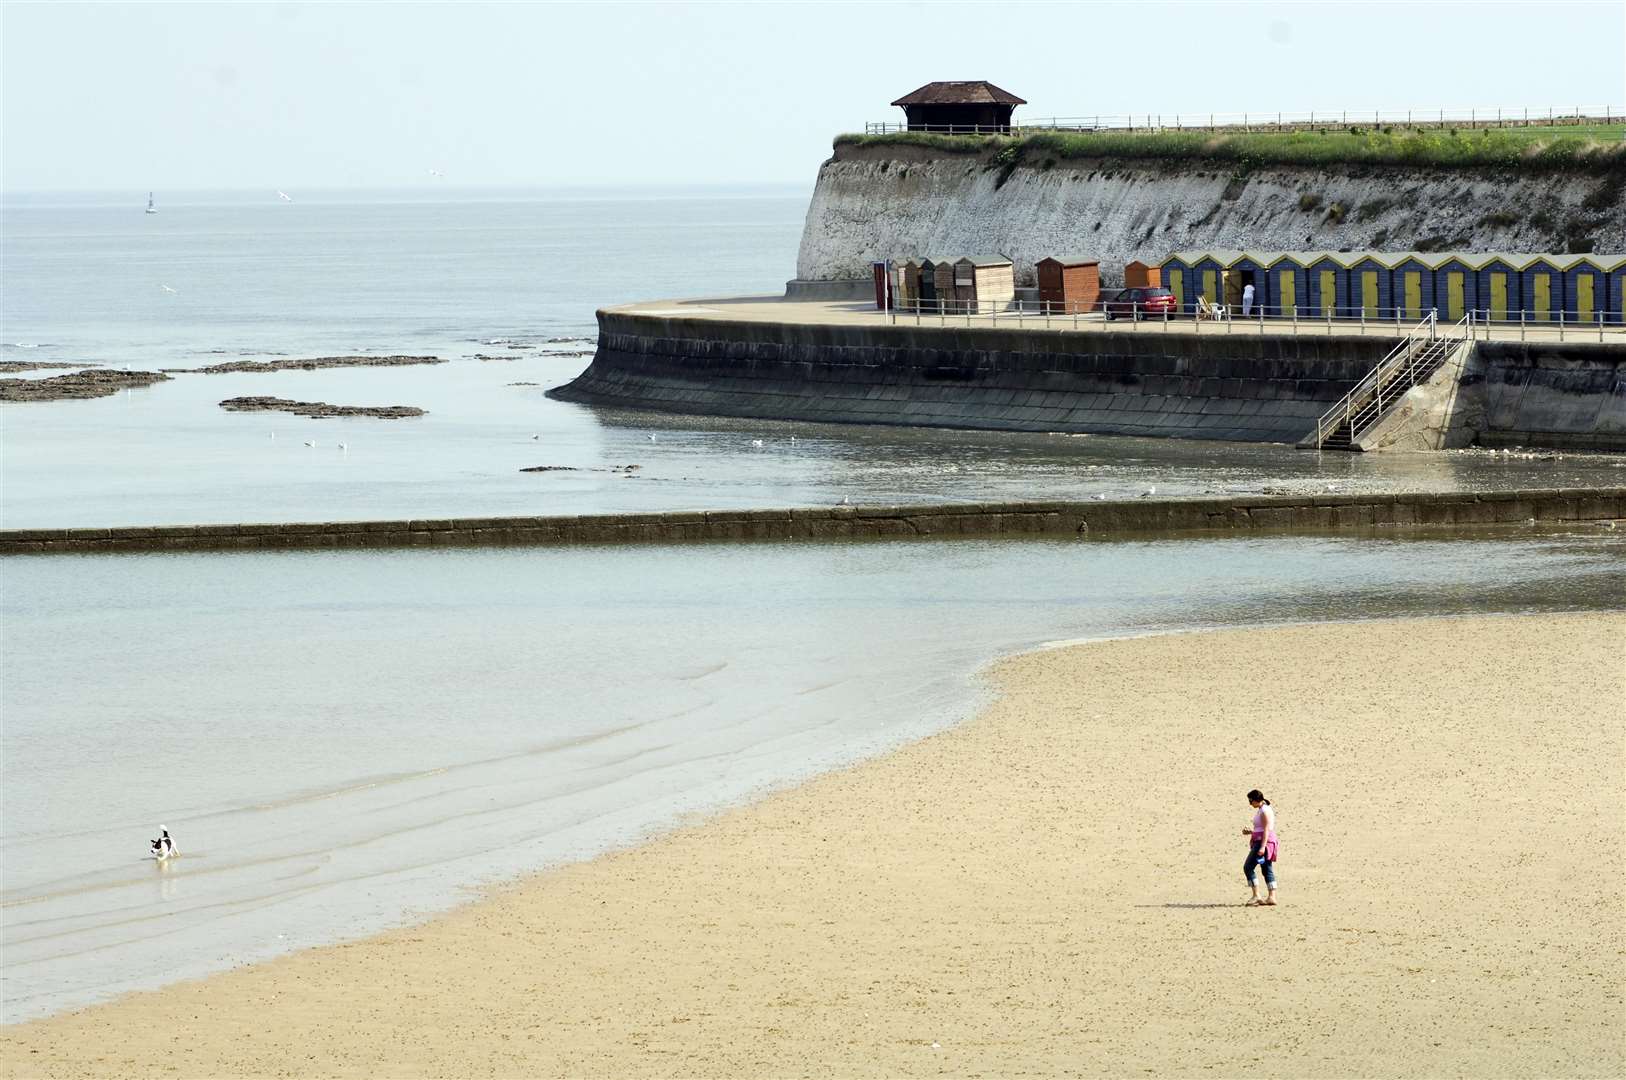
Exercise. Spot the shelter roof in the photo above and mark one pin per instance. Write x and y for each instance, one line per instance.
(978, 92)
(1071, 260)
(986, 260)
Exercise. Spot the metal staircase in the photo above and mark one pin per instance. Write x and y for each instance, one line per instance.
(1414, 360)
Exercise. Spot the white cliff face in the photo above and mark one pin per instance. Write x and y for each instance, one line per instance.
(902, 202)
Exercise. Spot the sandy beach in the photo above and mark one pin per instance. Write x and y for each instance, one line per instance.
(1052, 888)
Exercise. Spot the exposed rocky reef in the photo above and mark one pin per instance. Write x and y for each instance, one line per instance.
(318, 410)
(81, 384)
(312, 364)
(42, 365)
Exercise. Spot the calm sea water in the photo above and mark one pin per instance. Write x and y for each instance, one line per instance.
(342, 741)
(218, 277)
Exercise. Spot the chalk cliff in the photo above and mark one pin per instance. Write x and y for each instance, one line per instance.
(874, 202)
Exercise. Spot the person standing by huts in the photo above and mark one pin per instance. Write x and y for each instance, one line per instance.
(1262, 848)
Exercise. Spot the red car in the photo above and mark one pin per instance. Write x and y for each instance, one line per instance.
(1145, 303)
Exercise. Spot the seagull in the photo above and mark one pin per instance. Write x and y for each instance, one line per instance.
(845, 501)
(757, 443)
(345, 447)
(534, 438)
(310, 442)
(1149, 491)
(284, 196)
(1099, 498)
(166, 288)
(163, 847)
(437, 172)
(652, 438)
(273, 434)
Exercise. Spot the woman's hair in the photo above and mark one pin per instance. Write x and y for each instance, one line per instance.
(1258, 796)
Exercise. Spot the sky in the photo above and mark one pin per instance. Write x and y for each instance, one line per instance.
(103, 97)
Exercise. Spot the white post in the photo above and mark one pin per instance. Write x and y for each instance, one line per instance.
(1561, 322)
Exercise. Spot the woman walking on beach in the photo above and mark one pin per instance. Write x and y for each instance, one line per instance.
(1261, 848)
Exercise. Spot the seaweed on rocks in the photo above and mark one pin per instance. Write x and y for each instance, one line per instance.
(319, 410)
(81, 384)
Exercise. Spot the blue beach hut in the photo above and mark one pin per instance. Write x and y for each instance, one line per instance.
(1326, 285)
(1614, 267)
(1211, 278)
(1413, 285)
(1498, 286)
(1178, 279)
(1586, 289)
(1248, 268)
(1542, 286)
(1285, 278)
(1454, 286)
(1370, 285)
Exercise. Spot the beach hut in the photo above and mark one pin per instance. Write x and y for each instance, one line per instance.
(1371, 283)
(1615, 275)
(1068, 285)
(1326, 285)
(1210, 280)
(1248, 268)
(907, 287)
(1498, 286)
(1177, 278)
(1586, 288)
(943, 277)
(1140, 275)
(1455, 279)
(985, 282)
(1541, 283)
(1413, 283)
(1285, 279)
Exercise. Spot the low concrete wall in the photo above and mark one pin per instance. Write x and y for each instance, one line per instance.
(1244, 387)
(1568, 395)
(1139, 517)
(847, 289)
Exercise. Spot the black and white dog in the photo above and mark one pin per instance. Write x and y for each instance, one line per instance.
(163, 847)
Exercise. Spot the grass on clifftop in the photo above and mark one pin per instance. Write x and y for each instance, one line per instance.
(1596, 148)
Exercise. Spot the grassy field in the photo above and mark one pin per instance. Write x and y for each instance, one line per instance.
(1596, 148)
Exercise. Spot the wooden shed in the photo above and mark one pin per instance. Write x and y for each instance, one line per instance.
(1541, 283)
(1140, 275)
(948, 298)
(959, 108)
(985, 283)
(1500, 296)
(1455, 286)
(906, 290)
(1069, 284)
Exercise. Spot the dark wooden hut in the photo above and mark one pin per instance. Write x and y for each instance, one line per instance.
(1068, 285)
(959, 107)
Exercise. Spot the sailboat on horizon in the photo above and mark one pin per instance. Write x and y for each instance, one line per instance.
(151, 209)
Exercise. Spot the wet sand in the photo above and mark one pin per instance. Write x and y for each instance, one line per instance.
(1052, 888)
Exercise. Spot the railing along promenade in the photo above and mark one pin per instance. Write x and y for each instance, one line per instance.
(1482, 324)
(1474, 117)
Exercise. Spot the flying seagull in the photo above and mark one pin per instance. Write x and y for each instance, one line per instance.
(166, 288)
(284, 196)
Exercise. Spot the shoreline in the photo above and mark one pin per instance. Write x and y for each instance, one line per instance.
(967, 890)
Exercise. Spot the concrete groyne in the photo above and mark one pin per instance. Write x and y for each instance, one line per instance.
(1127, 518)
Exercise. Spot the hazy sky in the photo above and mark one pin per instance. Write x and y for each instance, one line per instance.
(187, 96)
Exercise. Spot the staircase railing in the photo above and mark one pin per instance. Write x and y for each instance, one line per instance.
(1404, 360)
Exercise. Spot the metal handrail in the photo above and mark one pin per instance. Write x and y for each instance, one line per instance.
(1403, 357)
(1476, 116)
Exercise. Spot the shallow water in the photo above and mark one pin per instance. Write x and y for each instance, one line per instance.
(460, 275)
(340, 741)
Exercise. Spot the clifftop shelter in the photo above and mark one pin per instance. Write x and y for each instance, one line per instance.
(959, 106)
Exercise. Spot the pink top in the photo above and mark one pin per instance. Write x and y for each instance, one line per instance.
(1264, 829)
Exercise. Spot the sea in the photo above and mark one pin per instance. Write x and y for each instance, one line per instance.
(341, 742)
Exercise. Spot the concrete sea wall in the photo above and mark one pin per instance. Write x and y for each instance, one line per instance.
(882, 202)
(1198, 386)
(1130, 518)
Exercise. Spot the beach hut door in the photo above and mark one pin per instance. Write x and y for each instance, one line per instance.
(1233, 288)
(1453, 296)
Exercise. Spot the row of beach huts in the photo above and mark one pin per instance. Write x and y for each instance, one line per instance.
(1500, 286)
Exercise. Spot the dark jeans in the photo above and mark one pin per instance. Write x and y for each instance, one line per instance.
(1257, 858)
